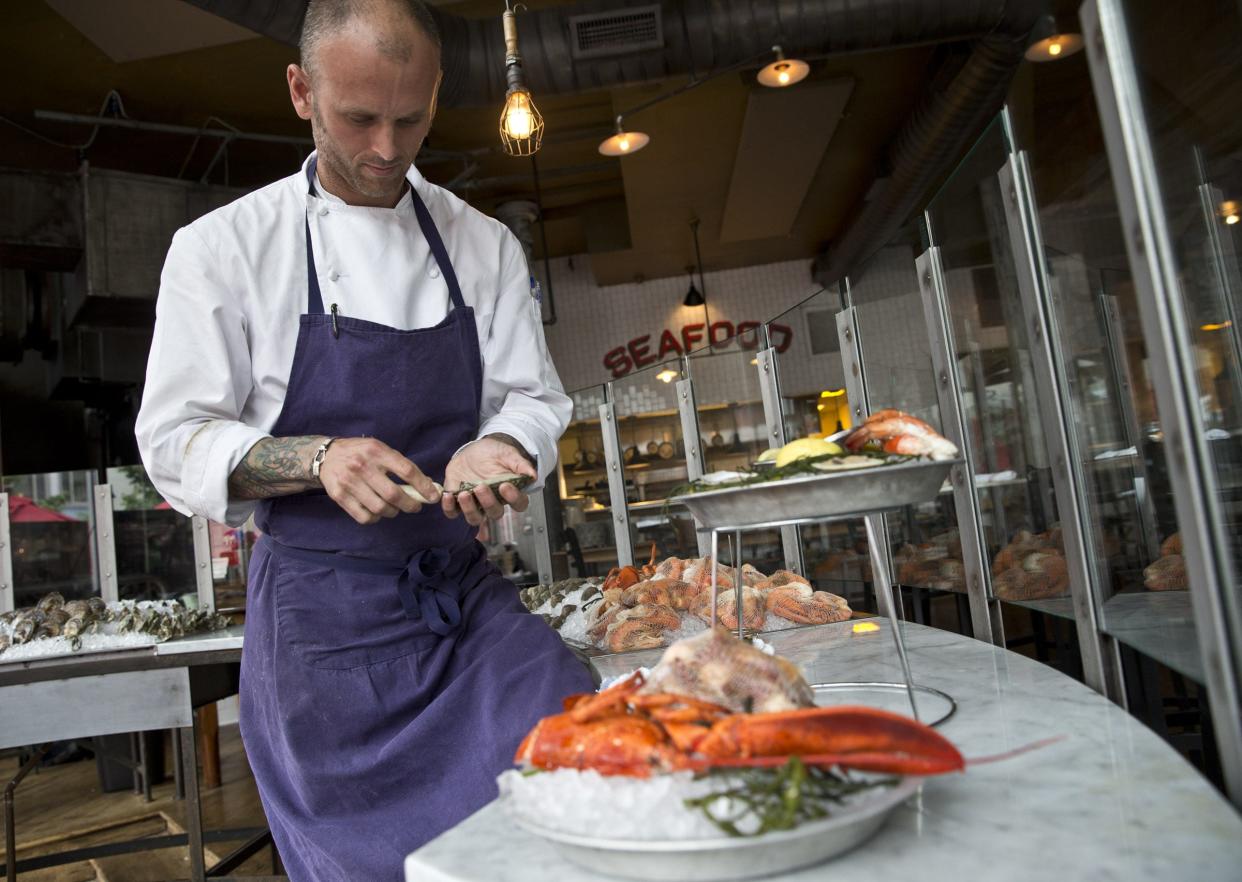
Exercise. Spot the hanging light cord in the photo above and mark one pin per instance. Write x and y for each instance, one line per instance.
(694, 83)
(543, 238)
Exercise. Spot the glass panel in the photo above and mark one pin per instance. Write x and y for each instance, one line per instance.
(52, 525)
(896, 353)
(654, 453)
(814, 403)
(1111, 402)
(586, 508)
(1189, 65)
(732, 425)
(1018, 510)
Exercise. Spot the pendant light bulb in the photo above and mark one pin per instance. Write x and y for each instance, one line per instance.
(1050, 42)
(623, 143)
(783, 71)
(521, 124)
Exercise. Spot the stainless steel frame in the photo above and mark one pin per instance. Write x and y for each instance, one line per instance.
(8, 594)
(688, 410)
(1157, 286)
(537, 515)
(105, 543)
(1101, 661)
(856, 390)
(985, 613)
(770, 389)
(204, 579)
(615, 464)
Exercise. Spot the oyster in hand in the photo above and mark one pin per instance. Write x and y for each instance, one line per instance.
(518, 481)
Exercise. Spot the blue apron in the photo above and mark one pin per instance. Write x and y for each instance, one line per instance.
(389, 671)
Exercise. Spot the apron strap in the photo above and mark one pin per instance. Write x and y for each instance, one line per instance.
(314, 297)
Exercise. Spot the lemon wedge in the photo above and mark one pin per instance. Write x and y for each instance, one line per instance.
(805, 448)
(769, 454)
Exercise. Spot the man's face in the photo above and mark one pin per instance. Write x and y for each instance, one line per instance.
(369, 112)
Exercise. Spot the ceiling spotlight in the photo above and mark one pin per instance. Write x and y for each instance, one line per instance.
(623, 143)
(1050, 42)
(783, 71)
(521, 124)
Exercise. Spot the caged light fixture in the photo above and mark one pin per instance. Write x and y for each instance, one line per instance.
(521, 124)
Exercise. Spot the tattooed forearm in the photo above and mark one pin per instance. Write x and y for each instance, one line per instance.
(275, 467)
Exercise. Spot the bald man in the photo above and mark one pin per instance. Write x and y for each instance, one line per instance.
(328, 351)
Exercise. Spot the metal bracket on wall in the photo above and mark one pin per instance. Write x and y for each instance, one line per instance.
(204, 581)
(1171, 363)
(770, 389)
(687, 407)
(105, 544)
(537, 513)
(984, 609)
(860, 407)
(1101, 660)
(8, 596)
(614, 464)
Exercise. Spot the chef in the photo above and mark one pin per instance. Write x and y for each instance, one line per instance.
(318, 344)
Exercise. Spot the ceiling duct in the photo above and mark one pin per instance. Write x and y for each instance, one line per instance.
(703, 35)
(617, 33)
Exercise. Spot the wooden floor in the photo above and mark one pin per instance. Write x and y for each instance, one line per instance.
(62, 807)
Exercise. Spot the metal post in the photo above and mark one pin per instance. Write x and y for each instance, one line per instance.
(8, 594)
(884, 594)
(1224, 263)
(613, 462)
(537, 513)
(1115, 338)
(105, 544)
(984, 608)
(193, 808)
(860, 403)
(203, 580)
(688, 409)
(1101, 662)
(770, 388)
(1155, 270)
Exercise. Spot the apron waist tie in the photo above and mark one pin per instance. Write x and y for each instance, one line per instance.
(430, 582)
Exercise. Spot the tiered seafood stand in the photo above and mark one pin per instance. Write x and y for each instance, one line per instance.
(1060, 600)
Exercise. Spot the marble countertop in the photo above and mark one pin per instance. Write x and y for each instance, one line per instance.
(1110, 801)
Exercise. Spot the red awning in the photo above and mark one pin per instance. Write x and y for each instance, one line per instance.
(23, 510)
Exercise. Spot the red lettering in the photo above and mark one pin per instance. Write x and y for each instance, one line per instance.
(748, 335)
(618, 362)
(726, 327)
(668, 343)
(691, 334)
(639, 352)
(786, 333)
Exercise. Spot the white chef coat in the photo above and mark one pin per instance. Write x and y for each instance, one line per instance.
(234, 286)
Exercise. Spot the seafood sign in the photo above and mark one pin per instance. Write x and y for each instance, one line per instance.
(643, 351)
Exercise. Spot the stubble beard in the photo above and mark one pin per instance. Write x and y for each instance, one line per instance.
(331, 156)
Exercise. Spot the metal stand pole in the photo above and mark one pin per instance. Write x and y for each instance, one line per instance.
(884, 591)
(193, 810)
(10, 823)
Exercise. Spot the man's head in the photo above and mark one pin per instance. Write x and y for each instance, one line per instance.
(367, 82)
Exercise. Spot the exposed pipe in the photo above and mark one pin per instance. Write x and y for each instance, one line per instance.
(706, 34)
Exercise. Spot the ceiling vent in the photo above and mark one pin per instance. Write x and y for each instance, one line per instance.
(601, 34)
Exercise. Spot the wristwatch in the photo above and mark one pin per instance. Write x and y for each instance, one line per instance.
(320, 455)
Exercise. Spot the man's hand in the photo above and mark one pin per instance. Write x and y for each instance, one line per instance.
(476, 462)
(355, 472)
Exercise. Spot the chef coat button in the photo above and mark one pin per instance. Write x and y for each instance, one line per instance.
(435, 272)
(334, 275)
(323, 210)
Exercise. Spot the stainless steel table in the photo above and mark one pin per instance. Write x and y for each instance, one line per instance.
(130, 690)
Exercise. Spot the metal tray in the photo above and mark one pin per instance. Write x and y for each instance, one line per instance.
(710, 860)
(832, 494)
